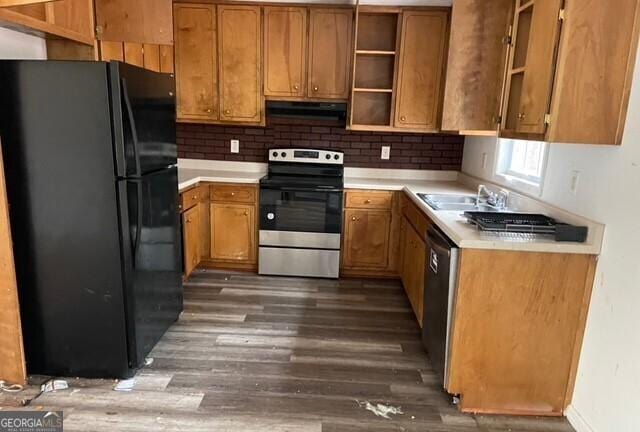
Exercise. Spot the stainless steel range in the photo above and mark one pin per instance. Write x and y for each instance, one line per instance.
(301, 213)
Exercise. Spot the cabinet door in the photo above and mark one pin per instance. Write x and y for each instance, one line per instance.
(191, 235)
(195, 62)
(233, 232)
(422, 55)
(476, 64)
(537, 82)
(239, 56)
(414, 256)
(285, 51)
(420, 263)
(329, 53)
(74, 15)
(367, 238)
(146, 21)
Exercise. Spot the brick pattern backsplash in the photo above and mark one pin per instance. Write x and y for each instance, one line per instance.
(361, 149)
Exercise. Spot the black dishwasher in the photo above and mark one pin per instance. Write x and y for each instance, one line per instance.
(441, 275)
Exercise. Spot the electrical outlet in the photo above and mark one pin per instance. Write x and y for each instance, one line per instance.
(385, 153)
(574, 182)
(235, 146)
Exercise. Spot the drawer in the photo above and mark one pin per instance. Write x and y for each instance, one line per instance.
(369, 199)
(415, 216)
(190, 198)
(233, 193)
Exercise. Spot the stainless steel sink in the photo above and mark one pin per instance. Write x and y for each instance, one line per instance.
(449, 202)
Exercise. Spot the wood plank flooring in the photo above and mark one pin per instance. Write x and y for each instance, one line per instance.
(254, 353)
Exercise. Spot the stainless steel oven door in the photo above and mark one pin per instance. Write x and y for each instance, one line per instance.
(308, 210)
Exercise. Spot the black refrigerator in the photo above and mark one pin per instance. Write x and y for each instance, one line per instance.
(90, 158)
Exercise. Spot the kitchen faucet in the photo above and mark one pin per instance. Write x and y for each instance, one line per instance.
(499, 200)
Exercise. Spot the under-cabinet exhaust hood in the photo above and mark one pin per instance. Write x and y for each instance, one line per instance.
(308, 110)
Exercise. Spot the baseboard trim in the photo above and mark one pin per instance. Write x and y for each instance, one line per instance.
(577, 420)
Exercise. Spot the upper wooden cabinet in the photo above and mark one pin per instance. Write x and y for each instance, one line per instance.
(329, 53)
(476, 65)
(67, 19)
(142, 21)
(531, 65)
(239, 57)
(285, 51)
(398, 68)
(569, 71)
(218, 57)
(420, 72)
(196, 62)
(595, 69)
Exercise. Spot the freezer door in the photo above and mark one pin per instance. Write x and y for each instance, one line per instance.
(152, 250)
(143, 105)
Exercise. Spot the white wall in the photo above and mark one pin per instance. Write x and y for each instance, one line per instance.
(607, 396)
(16, 45)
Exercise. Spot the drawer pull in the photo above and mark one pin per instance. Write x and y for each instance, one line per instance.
(403, 118)
(353, 218)
(315, 89)
(296, 87)
(367, 201)
(227, 111)
(233, 194)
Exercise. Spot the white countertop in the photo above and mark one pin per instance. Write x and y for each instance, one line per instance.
(452, 223)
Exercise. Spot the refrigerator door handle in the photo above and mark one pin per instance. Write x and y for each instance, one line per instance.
(132, 125)
(139, 209)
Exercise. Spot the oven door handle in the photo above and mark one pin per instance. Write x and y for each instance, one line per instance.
(300, 189)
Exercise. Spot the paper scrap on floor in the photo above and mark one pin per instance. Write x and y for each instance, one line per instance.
(53, 385)
(381, 410)
(125, 385)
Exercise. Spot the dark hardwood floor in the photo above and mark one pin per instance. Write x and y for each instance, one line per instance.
(255, 353)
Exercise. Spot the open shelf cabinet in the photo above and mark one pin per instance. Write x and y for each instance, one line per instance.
(374, 68)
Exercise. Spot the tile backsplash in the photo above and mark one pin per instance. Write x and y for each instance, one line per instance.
(361, 149)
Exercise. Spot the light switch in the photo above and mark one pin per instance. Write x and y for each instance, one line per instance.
(235, 146)
(385, 153)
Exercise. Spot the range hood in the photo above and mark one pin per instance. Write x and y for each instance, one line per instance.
(308, 110)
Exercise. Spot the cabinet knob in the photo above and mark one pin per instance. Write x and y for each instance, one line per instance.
(208, 110)
(353, 218)
(246, 213)
(188, 220)
(315, 88)
(403, 118)
(195, 197)
(227, 111)
(296, 87)
(367, 201)
(521, 116)
(233, 194)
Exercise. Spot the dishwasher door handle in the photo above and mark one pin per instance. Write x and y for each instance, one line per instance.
(438, 248)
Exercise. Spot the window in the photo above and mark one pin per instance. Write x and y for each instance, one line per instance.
(522, 164)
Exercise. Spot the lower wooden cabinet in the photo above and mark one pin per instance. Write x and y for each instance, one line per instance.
(366, 238)
(233, 232)
(414, 250)
(370, 234)
(191, 239)
(220, 226)
(413, 254)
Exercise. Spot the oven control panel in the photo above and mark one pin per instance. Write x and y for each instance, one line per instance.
(306, 156)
